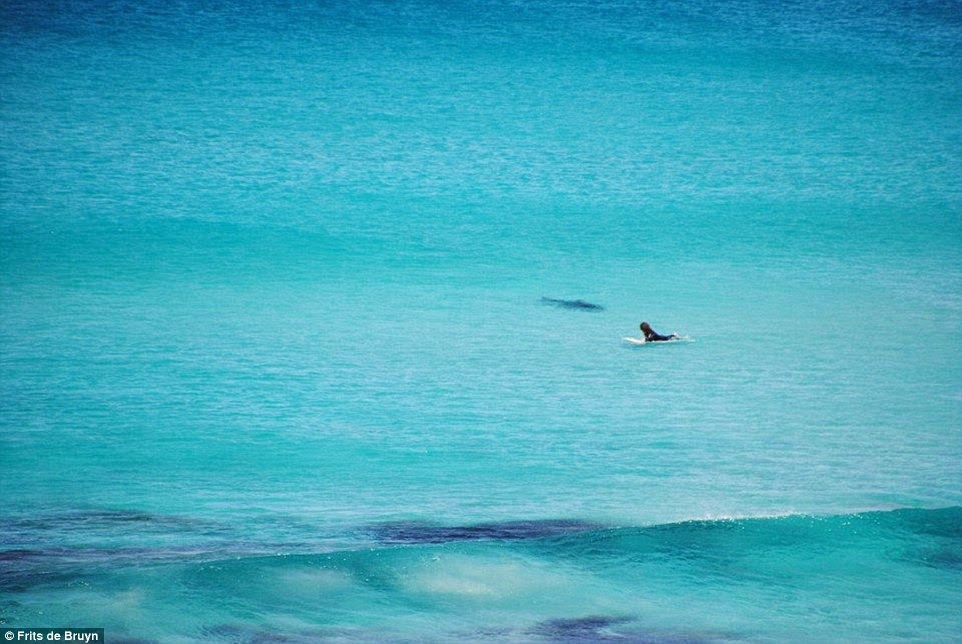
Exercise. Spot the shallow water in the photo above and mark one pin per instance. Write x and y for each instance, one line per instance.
(282, 353)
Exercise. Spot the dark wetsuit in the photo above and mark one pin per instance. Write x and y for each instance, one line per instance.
(654, 337)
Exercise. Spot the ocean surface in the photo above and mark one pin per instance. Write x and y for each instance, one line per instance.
(275, 362)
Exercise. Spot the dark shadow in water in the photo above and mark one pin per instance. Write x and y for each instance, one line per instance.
(99, 518)
(255, 635)
(19, 555)
(579, 305)
(412, 532)
(582, 629)
(22, 569)
(609, 628)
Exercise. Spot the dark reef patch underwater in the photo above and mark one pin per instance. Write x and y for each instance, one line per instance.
(412, 532)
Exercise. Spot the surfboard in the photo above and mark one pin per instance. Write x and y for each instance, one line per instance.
(642, 342)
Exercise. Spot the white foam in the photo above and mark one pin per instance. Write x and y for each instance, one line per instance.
(486, 577)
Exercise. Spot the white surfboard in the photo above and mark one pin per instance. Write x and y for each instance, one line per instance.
(642, 342)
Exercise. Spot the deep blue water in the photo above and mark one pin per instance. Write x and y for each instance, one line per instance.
(275, 360)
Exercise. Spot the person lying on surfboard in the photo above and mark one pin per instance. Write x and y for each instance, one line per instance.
(652, 336)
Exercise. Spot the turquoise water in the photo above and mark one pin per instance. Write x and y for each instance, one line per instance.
(275, 363)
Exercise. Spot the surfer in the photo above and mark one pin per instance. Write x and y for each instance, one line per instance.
(652, 336)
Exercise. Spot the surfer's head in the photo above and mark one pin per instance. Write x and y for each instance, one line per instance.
(645, 328)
